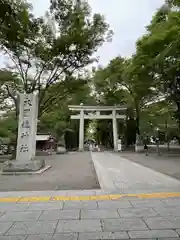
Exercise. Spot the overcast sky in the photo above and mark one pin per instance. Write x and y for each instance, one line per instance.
(127, 18)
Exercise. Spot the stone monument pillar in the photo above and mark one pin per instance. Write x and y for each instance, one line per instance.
(27, 128)
(115, 135)
(26, 143)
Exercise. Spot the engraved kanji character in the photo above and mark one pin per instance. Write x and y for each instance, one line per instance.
(24, 148)
(26, 124)
(24, 134)
(27, 101)
(25, 112)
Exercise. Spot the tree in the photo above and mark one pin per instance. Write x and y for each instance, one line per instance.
(8, 125)
(41, 52)
(161, 45)
(57, 120)
(10, 84)
(138, 81)
(108, 89)
(158, 116)
(126, 82)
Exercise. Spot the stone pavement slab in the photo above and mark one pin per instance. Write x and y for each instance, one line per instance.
(4, 227)
(172, 202)
(20, 216)
(40, 237)
(153, 234)
(103, 235)
(114, 204)
(99, 214)
(13, 207)
(32, 227)
(80, 205)
(123, 224)
(137, 212)
(143, 203)
(65, 236)
(162, 222)
(168, 211)
(92, 225)
(60, 214)
(13, 237)
(121, 235)
(45, 206)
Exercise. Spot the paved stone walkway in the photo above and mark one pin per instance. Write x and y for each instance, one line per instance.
(97, 214)
(116, 173)
(76, 220)
(168, 164)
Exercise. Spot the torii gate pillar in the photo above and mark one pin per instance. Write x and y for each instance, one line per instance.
(115, 135)
(81, 131)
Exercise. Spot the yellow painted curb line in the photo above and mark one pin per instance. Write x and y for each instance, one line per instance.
(89, 198)
(34, 199)
(12, 199)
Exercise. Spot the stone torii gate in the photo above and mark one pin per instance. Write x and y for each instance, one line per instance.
(96, 112)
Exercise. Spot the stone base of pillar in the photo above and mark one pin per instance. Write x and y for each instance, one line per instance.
(34, 166)
(81, 150)
(116, 150)
(139, 148)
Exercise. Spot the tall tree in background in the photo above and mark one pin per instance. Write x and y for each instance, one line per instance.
(45, 51)
(107, 92)
(125, 82)
(162, 46)
(45, 55)
(57, 119)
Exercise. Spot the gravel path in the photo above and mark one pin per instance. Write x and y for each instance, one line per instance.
(72, 171)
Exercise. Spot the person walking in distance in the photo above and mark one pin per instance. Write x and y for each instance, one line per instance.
(146, 149)
(146, 145)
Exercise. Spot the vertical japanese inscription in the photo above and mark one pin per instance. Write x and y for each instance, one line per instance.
(25, 126)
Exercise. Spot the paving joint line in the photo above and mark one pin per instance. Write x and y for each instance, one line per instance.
(55, 228)
(145, 223)
(9, 228)
(40, 215)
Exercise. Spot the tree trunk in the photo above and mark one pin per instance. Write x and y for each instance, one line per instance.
(167, 137)
(168, 146)
(178, 111)
(158, 149)
(14, 143)
(16, 133)
(137, 116)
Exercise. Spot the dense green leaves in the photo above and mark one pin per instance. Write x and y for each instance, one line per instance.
(152, 72)
(46, 54)
(48, 51)
(161, 44)
(125, 82)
